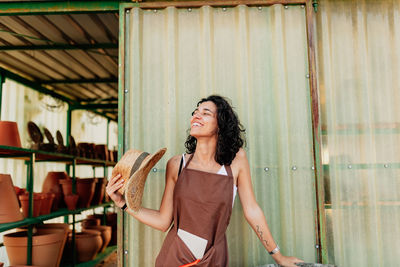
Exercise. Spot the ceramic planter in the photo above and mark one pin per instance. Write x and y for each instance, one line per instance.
(105, 234)
(85, 190)
(88, 243)
(71, 201)
(9, 135)
(52, 184)
(66, 185)
(112, 221)
(63, 227)
(100, 187)
(47, 202)
(9, 207)
(90, 222)
(46, 247)
(37, 202)
(101, 152)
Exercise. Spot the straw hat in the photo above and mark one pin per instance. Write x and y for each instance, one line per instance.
(134, 166)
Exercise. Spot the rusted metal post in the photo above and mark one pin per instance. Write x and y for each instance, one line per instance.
(320, 245)
(2, 80)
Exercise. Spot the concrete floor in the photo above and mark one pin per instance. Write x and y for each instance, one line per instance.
(110, 261)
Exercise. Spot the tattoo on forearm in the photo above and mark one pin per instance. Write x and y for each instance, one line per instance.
(260, 235)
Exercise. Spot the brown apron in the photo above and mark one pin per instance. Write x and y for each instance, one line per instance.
(203, 207)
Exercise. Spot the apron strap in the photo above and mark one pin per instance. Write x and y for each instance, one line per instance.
(189, 160)
(229, 170)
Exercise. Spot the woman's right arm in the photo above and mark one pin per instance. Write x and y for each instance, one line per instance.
(159, 219)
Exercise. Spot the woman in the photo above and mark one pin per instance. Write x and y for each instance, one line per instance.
(199, 192)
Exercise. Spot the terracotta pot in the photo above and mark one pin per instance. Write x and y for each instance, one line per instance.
(9, 135)
(37, 202)
(115, 157)
(19, 191)
(99, 190)
(46, 247)
(90, 222)
(52, 184)
(101, 217)
(71, 201)
(110, 155)
(112, 221)
(47, 202)
(85, 190)
(66, 185)
(88, 243)
(101, 152)
(9, 206)
(63, 227)
(1, 264)
(105, 234)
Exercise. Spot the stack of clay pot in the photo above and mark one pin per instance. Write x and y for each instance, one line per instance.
(95, 224)
(99, 191)
(9, 207)
(51, 184)
(48, 242)
(84, 189)
(88, 244)
(9, 135)
(69, 198)
(42, 203)
(37, 203)
(111, 220)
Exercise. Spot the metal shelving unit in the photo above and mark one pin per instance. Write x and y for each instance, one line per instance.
(31, 156)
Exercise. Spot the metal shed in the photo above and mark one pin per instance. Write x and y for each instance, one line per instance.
(316, 83)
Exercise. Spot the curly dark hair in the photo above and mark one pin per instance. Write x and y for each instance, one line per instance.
(231, 132)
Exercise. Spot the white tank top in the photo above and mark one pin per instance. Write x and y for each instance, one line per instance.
(221, 171)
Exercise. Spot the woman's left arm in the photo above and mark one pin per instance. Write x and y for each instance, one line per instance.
(252, 211)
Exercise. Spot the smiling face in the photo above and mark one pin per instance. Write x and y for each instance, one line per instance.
(204, 120)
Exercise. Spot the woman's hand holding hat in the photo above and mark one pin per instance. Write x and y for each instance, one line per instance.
(112, 188)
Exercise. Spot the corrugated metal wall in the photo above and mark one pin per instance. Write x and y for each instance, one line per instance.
(359, 70)
(22, 104)
(257, 58)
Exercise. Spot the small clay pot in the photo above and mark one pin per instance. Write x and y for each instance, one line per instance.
(37, 202)
(84, 150)
(88, 243)
(52, 184)
(9, 206)
(90, 222)
(101, 152)
(9, 135)
(71, 201)
(47, 202)
(46, 247)
(99, 190)
(85, 190)
(66, 185)
(105, 234)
